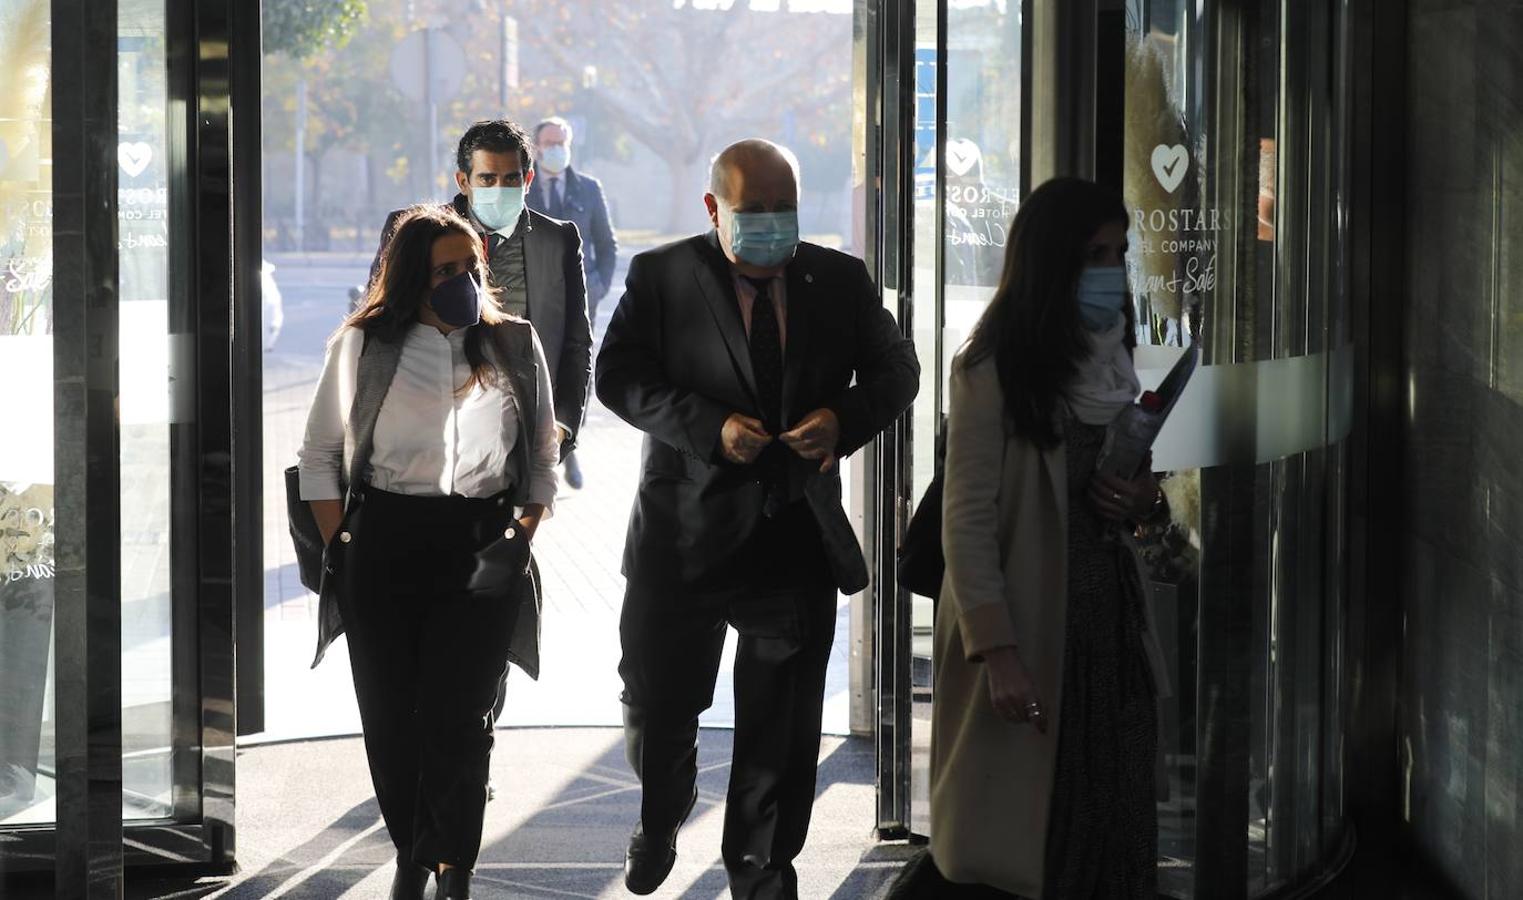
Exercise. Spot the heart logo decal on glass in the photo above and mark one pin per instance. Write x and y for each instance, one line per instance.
(134, 158)
(1170, 165)
(962, 156)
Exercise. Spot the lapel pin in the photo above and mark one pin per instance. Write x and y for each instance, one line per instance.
(808, 279)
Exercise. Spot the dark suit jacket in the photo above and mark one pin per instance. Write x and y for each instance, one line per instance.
(676, 363)
(584, 205)
(557, 309)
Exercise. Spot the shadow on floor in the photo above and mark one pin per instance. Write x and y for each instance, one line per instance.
(600, 806)
(571, 846)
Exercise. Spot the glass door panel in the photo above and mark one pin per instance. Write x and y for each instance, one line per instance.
(1232, 154)
(1233, 173)
(968, 77)
(143, 396)
(924, 414)
(985, 62)
(27, 758)
(147, 403)
(27, 748)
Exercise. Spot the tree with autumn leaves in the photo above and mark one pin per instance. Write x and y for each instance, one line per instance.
(679, 80)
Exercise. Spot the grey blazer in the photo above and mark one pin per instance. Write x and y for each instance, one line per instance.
(514, 340)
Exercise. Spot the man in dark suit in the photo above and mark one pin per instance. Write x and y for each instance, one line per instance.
(563, 192)
(736, 353)
(534, 262)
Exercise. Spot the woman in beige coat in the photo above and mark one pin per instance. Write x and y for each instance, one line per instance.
(1044, 724)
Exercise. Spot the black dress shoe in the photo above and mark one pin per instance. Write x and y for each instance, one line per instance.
(454, 884)
(650, 858)
(410, 881)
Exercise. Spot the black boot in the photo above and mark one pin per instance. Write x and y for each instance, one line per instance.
(410, 880)
(454, 884)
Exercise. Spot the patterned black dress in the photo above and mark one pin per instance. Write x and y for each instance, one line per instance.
(1102, 838)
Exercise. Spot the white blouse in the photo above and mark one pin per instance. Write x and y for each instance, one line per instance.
(430, 440)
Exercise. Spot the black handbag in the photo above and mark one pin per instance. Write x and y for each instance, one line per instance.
(921, 566)
(304, 533)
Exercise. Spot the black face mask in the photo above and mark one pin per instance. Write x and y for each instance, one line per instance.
(457, 302)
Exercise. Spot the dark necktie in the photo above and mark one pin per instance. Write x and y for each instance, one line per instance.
(767, 364)
(557, 201)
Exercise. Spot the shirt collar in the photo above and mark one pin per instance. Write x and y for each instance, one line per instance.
(424, 331)
(746, 279)
(508, 231)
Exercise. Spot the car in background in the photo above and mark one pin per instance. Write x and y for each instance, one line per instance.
(274, 315)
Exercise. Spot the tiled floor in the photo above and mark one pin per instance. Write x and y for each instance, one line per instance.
(558, 828)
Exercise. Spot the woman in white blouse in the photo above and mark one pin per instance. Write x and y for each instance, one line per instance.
(429, 461)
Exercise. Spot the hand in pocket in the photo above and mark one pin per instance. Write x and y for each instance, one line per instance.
(502, 561)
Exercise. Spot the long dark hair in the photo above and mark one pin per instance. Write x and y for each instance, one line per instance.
(1032, 327)
(398, 291)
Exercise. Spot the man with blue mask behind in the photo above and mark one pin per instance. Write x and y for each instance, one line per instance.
(753, 362)
(535, 263)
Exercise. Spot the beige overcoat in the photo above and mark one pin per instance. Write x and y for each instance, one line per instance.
(1005, 537)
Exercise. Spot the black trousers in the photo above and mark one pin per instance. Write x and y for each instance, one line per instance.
(427, 656)
(672, 640)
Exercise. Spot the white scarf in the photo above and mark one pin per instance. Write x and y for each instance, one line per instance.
(1107, 380)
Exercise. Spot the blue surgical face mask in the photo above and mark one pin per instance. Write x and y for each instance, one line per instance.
(555, 158)
(765, 239)
(457, 302)
(497, 207)
(1102, 294)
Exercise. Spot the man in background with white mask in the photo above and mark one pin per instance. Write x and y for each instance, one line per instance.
(753, 362)
(561, 191)
(535, 262)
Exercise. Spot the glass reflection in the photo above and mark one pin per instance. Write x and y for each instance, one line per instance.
(980, 166)
(1232, 169)
(26, 378)
(925, 411)
(27, 750)
(143, 212)
(1174, 244)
